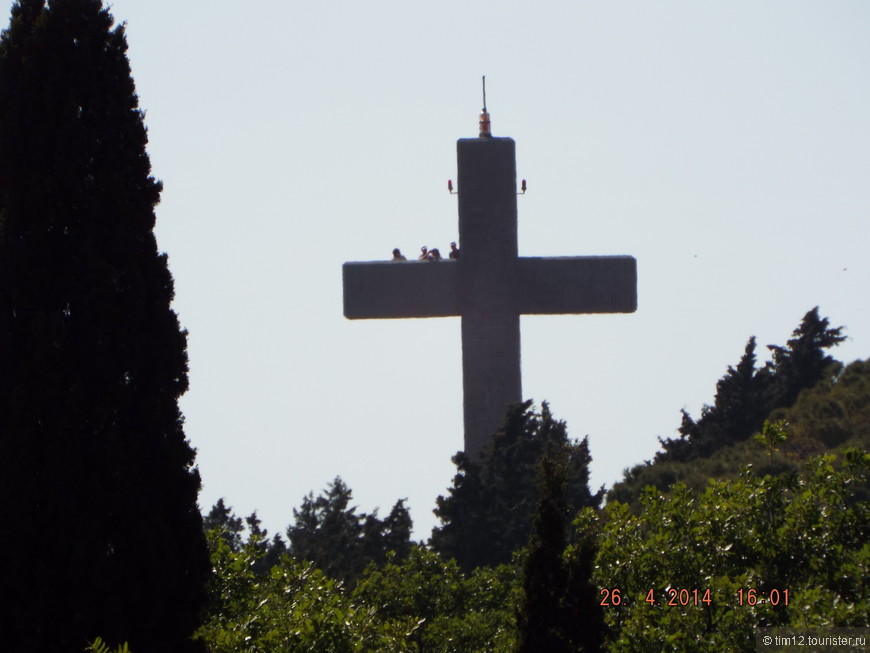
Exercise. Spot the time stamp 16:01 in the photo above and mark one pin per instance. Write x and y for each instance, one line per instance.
(695, 597)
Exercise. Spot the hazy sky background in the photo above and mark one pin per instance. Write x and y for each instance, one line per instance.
(724, 145)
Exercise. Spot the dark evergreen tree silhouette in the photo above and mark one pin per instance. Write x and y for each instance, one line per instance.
(231, 530)
(738, 398)
(803, 361)
(222, 517)
(330, 533)
(271, 550)
(582, 604)
(745, 396)
(559, 610)
(488, 513)
(737, 411)
(96, 477)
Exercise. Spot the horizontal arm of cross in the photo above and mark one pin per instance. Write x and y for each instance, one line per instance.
(544, 286)
(576, 284)
(393, 289)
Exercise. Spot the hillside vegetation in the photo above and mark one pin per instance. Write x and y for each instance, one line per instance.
(820, 404)
(757, 515)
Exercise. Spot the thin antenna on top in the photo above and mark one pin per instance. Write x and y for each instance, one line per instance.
(484, 116)
(484, 92)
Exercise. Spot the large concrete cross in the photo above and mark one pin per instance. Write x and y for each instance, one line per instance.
(489, 286)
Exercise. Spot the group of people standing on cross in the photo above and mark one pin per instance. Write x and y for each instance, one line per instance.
(427, 254)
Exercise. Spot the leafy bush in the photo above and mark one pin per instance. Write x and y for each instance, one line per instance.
(296, 607)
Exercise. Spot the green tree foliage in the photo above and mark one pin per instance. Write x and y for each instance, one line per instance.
(454, 612)
(750, 537)
(744, 540)
(420, 604)
(772, 435)
(489, 511)
(803, 532)
(93, 459)
(329, 532)
(295, 608)
(559, 610)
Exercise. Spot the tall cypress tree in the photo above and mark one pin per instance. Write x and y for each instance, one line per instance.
(560, 608)
(540, 615)
(98, 489)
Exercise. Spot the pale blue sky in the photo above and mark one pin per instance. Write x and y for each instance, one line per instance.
(724, 145)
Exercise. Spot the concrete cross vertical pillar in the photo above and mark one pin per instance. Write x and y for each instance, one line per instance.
(491, 377)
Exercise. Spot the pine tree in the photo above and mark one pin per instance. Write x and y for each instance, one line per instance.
(329, 532)
(270, 551)
(802, 362)
(222, 516)
(95, 471)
